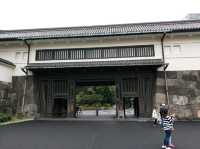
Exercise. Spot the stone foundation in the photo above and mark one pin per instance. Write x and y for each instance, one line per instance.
(184, 93)
(8, 101)
(30, 106)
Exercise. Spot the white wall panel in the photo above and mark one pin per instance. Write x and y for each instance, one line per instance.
(98, 42)
(8, 52)
(187, 59)
(6, 73)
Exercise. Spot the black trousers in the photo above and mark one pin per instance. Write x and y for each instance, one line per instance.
(155, 121)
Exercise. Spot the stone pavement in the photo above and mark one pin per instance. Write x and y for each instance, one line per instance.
(97, 119)
(94, 135)
(104, 112)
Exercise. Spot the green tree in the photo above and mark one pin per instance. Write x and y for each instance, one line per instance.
(92, 95)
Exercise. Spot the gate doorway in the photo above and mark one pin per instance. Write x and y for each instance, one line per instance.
(131, 107)
(59, 107)
(95, 100)
(133, 87)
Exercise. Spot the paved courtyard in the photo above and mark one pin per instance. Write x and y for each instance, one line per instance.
(94, 135)
(103, 114)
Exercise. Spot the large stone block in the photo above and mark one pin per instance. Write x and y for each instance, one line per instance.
(160, 82)
(159, 99)
(4, 85)
(196, 100)
(160, 74)
(30, 109)
(191, 84)
(160, 89)
(191, 93)
(195, 110)
(198, 74)
(171, 74)
(189, 76)
(182, 91)
(184, 84)
(198, 114)
(172, 82)
(176, 90)
(180, 100)
(183, 112)
(198, 85)
(12, 96)
(188, 113)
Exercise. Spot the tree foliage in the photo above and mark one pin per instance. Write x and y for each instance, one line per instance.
(96, 95)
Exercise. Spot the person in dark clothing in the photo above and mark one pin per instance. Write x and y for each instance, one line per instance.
(163, 109)
(77, 112)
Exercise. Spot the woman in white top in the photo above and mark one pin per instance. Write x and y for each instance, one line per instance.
(155, 116)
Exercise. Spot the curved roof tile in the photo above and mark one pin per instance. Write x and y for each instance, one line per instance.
(102, 30)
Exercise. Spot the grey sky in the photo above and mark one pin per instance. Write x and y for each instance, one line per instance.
(21, 14)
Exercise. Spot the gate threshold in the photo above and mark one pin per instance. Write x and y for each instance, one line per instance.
(97, 119)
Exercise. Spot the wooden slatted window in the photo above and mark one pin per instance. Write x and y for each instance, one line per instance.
(130, 85)
(95, 53)
(110, 53)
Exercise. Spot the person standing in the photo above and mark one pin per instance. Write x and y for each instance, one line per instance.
(162, 109)
(155, 116)
(168, 127)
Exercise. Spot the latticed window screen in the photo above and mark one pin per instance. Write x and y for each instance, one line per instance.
(130, 85)
(95, 53)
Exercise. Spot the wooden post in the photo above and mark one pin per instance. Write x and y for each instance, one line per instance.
(71, 98)
(120, 113)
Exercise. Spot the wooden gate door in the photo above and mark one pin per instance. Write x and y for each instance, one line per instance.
(53, 92)
(142, 88)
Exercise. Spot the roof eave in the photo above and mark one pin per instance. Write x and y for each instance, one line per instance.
(101, 35)
(7, 62)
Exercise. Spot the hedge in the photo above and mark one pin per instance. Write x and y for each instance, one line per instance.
(4, 117)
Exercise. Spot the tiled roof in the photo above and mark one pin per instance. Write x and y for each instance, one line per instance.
(146, 62)
(6, 62)
(102, 30)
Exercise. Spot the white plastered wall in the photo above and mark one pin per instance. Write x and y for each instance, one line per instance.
(187, 59)
(6, 72)
(97, 42)
(9, 50)
(187, 56)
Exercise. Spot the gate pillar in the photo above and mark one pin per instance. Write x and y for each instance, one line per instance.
(71, 98)
(119, 101)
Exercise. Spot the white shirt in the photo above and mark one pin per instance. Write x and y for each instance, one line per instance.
(154, 114)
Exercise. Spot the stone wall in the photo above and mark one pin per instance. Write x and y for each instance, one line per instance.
(30, 107)
(11, 95)
(8, 101)
(184, 93)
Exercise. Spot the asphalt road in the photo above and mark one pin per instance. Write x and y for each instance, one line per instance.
(95, 135)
